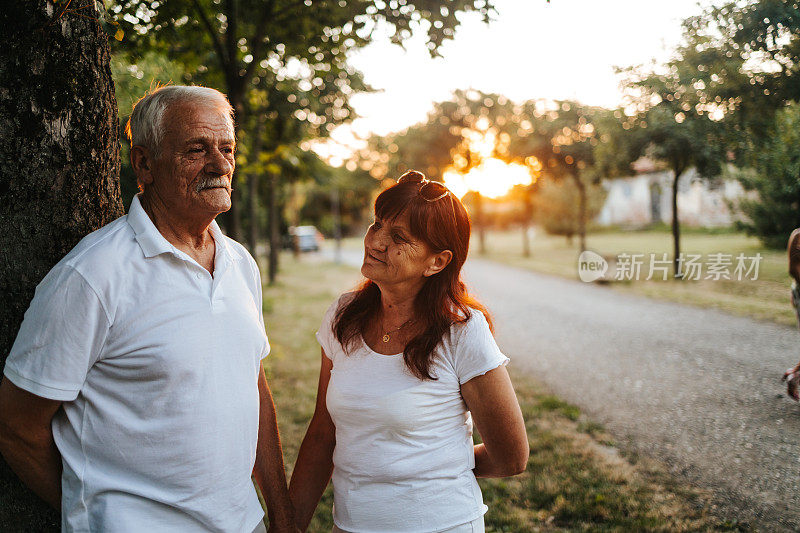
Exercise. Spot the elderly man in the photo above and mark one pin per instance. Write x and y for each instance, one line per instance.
(134, 397)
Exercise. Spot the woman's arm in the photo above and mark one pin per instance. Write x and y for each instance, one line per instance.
(314, 465)
(496, 413)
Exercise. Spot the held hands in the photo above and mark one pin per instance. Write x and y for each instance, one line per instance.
(287, 529)
(792, 379)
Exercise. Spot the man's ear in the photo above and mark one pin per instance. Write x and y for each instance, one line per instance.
(438, 263)
(142, 162)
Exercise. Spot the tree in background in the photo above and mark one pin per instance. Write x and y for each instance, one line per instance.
(224, 44)
(457, 136)
(775, 177)
(59, 173)
(557, 205)
(283, 115)
(672, 119)
(559, 138)
(131, 81)
(751, 68)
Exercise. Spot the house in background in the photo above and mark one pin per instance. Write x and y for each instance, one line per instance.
(646, 198)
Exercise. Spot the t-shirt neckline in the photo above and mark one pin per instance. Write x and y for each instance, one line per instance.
(373, 352)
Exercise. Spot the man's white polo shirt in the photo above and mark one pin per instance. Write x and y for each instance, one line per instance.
(156, 362)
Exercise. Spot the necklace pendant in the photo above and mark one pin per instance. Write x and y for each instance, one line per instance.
(385, 338)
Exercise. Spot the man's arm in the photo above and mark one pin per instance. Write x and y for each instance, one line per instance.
(26, 440)
(269, 470)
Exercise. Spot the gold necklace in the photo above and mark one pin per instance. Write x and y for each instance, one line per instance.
(386, 337)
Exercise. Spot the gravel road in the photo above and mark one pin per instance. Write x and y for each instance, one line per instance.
(696, 389)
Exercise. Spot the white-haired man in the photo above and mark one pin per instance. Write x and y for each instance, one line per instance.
(134, 397)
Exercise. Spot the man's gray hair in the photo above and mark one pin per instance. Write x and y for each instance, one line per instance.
(146, 125)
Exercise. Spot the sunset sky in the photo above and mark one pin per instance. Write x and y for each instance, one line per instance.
(533, 49)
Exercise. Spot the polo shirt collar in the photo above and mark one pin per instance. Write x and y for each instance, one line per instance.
(153, 243)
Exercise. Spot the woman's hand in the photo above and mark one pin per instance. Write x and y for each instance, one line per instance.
(496, 413)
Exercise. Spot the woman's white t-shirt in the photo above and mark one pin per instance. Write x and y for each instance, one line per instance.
(404, 453)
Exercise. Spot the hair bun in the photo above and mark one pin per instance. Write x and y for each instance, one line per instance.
(412, 175)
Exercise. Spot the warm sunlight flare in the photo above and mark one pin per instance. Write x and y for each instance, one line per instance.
(493, 178)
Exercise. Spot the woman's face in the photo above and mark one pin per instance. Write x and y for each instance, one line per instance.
(393, 255)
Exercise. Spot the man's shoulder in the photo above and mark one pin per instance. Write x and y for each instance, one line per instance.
(239, 251)
(102, 250)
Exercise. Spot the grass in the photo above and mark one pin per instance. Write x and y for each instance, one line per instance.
(766, 298)
(576, 480)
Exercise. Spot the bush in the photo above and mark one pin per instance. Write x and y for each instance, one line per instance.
(556, 205)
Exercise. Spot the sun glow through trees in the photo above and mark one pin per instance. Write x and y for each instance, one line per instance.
(491, 177)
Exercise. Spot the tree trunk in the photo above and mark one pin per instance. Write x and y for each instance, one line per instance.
(337, 224)
(274, 230)
(252, 189)
(233, 224)
(252, 203)
(582, 208)
(527, 221)
(59, 166)
(232, 220)
(480, 223)
(676, 227)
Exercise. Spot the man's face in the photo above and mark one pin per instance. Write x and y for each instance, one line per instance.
(192, 174)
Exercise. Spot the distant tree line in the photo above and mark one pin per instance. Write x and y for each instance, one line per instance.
(283, 65)
(726, 102)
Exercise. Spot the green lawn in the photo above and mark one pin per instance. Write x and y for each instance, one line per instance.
(765, 298)
(577, 480)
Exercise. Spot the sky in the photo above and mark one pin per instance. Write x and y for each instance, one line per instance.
(565, 49)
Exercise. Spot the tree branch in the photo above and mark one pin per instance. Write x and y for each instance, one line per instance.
(257, 47)
(212, 34)
(232, 16)
(286, 10)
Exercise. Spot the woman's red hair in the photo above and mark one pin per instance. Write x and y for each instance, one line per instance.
(443, 300)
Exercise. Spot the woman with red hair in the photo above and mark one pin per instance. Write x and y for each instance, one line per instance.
(408, 362)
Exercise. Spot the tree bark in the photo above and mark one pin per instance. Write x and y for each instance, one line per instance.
(59, 167)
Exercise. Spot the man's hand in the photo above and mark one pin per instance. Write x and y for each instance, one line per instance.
(792, 379)
(293, 529)
(26, 440)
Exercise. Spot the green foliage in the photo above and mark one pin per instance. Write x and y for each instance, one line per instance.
(670, 119)
(132, 79)
(283, 65)
(776, 179)
(555, 205)
(355, 190)
(224, 44)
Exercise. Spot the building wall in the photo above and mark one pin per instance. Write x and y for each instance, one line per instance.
(647, 198)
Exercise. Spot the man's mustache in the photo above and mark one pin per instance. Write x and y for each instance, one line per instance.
(213, 183)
